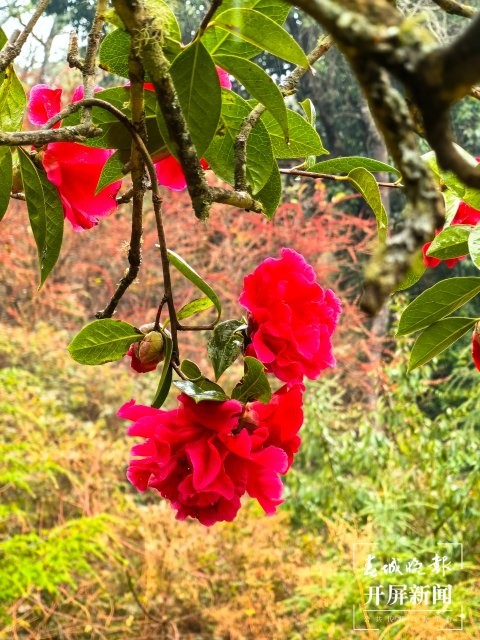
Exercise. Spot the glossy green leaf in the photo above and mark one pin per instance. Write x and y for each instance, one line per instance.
(193, 307)
(189, 272)
(437, 302)
(474, 245)
(438, 337)
(271, 194)
(103, 341)
(303, 139)
(6, 176)
(220, 154)
(225, 345)
(115, 135)
(451, 242)
(201, 390)
(12, 101)
(259, 85)
(220, 42)
(165, 381)
(366, 184)
(467, 194)
(262, 32)
(416, 271)
(254, 384)
(190, 369)
(346, 164)
(196, 82)
(113, 169)
(45, 212)
(309, 111)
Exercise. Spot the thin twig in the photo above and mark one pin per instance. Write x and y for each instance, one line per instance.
(287, 87)
(206, 20)
(89, 64)
(73, 55)
(137, 600)
(329, 176)
(456, 8)
(136, 77)
(12, 49)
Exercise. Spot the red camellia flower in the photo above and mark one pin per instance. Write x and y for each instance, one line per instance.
(203, 457)
(72, 167)
(291, 318)
(476, 348)
(465, 214)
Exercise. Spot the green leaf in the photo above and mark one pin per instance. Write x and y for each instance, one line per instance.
(416, 271)
(190, 273)
(437, 302)
(202, 389)
(271, 194)
(225, 345)
(221, 155)
(112, 169)
(474, 245)
(115, 135)
(193, 307)
(103, 341)
(309, 111)
(220, 42)
(262, 32)
(467, 194)
(196, 82)
(259, 85)
(452, 242)
(6, 177)
(346, 164)
(366, 184)
(45, 212)
(438, 337)
(304, 140)
(12, 101)
(190, 369)
(254, 384)
(165, 381)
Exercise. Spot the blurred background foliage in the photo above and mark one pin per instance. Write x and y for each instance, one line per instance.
(386, 458)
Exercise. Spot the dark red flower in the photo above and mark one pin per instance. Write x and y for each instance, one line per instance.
(203, 457)
(291, 318)
(72, 167)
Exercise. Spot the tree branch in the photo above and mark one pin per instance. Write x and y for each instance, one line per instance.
(456, 8)
(12, 49)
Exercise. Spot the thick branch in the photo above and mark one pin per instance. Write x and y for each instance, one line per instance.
(77, 133)
(147, 38)
(12, 49)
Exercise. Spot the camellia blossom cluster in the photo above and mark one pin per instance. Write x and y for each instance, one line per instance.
(204, 457)
(75, 168)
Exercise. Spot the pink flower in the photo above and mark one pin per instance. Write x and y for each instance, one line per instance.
(169, 171)
(291, 318)
(476, 348)
(204, 457)
(72, 167)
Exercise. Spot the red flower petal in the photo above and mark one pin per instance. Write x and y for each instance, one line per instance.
(43, 104)
(476, 348)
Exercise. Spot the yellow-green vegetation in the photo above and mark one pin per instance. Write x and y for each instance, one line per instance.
(82, 555)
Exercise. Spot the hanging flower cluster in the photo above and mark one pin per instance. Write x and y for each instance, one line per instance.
(203, 457)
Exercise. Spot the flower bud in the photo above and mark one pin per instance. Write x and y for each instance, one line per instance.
(147, 353)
